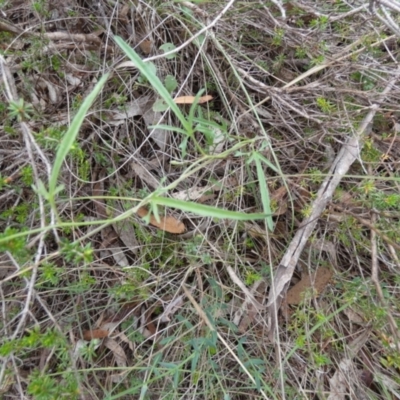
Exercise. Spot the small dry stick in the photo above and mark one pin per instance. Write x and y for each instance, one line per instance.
(249, 296)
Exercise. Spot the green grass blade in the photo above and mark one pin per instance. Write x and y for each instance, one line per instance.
(168, 128)
(204, 210)
(72, 133)
(194, 106)
(266, 202)
(153, 79)
(268, 163)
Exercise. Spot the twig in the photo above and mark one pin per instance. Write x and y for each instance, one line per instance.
(248, 305)
(76, 37)
(394, 255)
(249, 296)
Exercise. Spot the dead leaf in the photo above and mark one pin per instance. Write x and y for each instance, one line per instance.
(327, 246)
(95, 334)
(296, 293)
(195, 193)
(119, 256)
(219, 141)
(205, 198)
(126, 340)
(279, 197)
(73, 80)
(118, 378)
(354, 316)
(254, 230)
(134, 108)
(143, 106)
(168, 223)
(52, 90)
(279, 194)
(339, 383)
(160, 136)
(144, 174)
(125, 230)
(172, 308)
(190, 99)
(345, 376)
(118, 352)
(126, 64)
(103, 329)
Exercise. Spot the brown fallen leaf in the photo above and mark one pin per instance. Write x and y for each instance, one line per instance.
(355, 316)
(278, 197)
(146, 46)
(168, 223)
(171, 308)
(190, 99)
(118, 352)
(95, 334)
(296, 293)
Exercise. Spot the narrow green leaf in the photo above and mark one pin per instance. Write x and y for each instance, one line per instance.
(59, 189)
(206, 211)
(183, 146)
(72, 133)
(143, 391)
(177, 378)
(264, 192)
(41, 189)
(168, 128)
(194, 106)
(268, 163)
(152, 78)
(194, 361)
